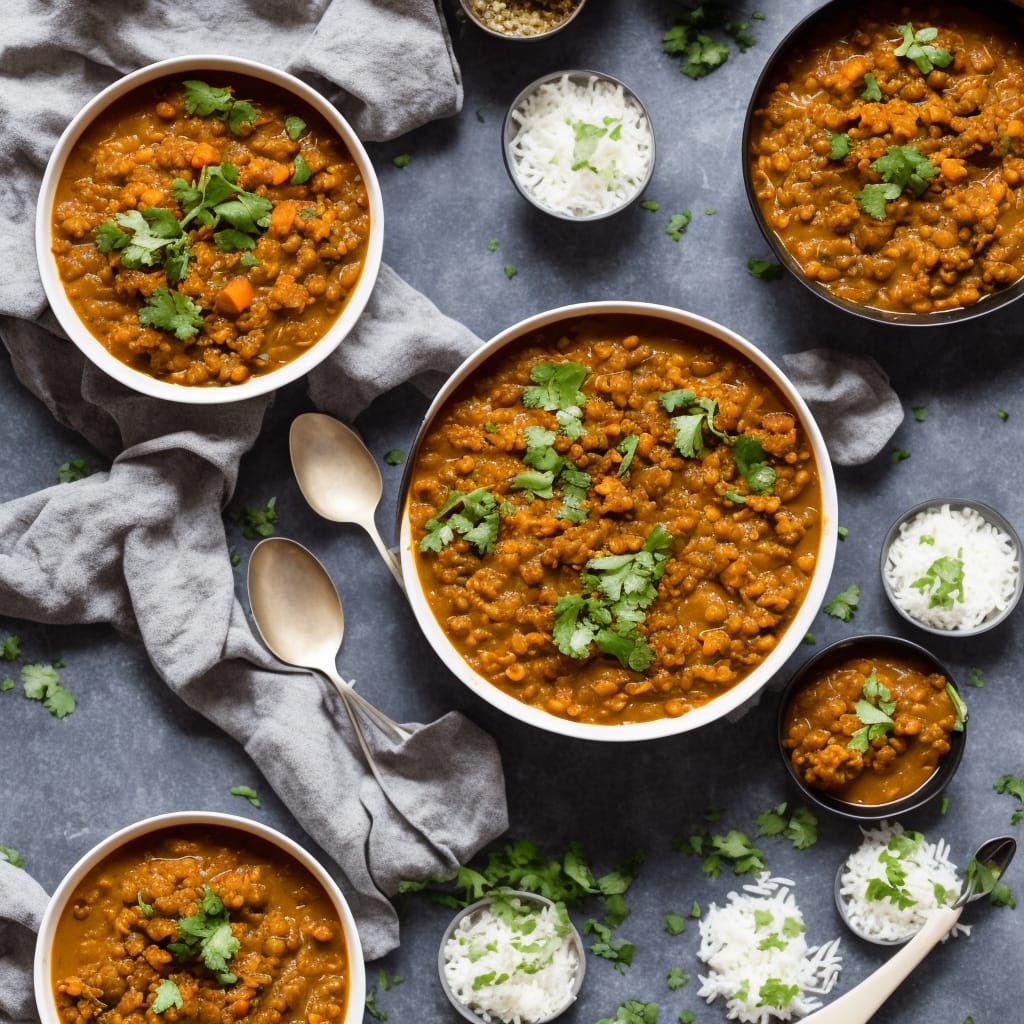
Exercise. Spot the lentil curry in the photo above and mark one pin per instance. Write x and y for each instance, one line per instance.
(207, 233)
(887, 154)
(870, 730)
(128, 937)
(615, 518)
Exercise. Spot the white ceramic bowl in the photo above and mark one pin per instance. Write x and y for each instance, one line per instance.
(92, 348)
(794, 633)
(42, 969)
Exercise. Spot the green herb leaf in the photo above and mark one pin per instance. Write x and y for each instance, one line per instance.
(840, 144)
(248, 792)
(775, 992)
(944, 579)
(764, 270)
(843, 606)
(11, 855)
(402, 160)
(556, 386)
(394, 457)
(872, 93)
(1012, 785)
(167, 995)
(302, 173)
(173, 312)
(675, 924)
(916, 46)
(294, 127)
(748, 454)
(676, 979)
(627, 447)
(42, 683)
(207, 101)
(677, 224)
(10, 648)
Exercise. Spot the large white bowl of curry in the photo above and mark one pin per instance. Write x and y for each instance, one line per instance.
(618, 521)
(208, 229)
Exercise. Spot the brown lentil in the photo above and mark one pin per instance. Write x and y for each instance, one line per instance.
(522, 17)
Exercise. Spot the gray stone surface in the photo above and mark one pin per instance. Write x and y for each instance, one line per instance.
(131, 749)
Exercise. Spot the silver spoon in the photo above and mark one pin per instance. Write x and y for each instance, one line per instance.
(859, 1004)
(299, 615)
(338, 477)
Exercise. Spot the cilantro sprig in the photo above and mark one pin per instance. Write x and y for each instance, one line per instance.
(943, 580)
(204, 100)
(207, 934)
(917, 46)
(473, 516)
(874, 709)
(900, 167)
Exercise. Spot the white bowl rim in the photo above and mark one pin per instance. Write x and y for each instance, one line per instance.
(356, 998)
(792, 637)
(92, 348)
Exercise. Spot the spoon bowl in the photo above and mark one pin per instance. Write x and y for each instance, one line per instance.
(338, 477)
(299, 615)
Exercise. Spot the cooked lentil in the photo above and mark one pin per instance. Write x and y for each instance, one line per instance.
(109, 956)
(820, 719)
(522, 17)
(738, 570)
(959, 241)
(307, 260)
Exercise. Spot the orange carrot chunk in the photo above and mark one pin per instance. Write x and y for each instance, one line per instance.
(235, 297)
(204, 154)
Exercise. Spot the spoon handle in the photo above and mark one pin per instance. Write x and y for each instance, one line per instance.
(350, 697)
(390, 557)
(858, 1005)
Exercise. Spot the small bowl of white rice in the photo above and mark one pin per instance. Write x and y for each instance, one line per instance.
(952, 567)
(511, 958)
(578, 145)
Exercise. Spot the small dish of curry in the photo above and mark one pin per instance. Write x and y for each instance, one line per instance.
(618, 521)
(872, 727)
(202, 916)
(208, 229)
(884, 157)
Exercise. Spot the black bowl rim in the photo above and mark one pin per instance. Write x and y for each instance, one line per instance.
(927, 791)
(996, 518)
(987, 304)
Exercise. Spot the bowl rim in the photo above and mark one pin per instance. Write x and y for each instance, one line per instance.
(992, 516)
(927, 791)
(41, 965)
(536, 37)
(91, 347)
(987, 304)
(573, 938)
(507, 137)
(744, 690)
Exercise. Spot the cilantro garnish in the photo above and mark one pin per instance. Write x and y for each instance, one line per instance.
(11, 856)
(207, 934)
(920, 413)
(171, 311)
(402, 160)
(618, 951)
(586, 137)
(473, 516)
(734, 848)
(633, 1011)
(205, 100)
(510, 271)
(689, 38)
(42, 683)
(301, 173)
(628, 449)
(839, 144)
(843, 606)
(874, 709)
(748, 454)
(146, 238)
(676, 978)
(872, 93)
(256, 523)
(167, 995)
(944, 578)
(675, 924)
(1012, 785)
(764, 270)
(394, 457)
(10, 648)
(774, 992)
(372, 1008)
(651, 205)
(248, 792)
(901, 167)
(556, 386)
(616, 591)
(799, 826)
(678, 223)
(294, 127)
(916, 46)
(146, 908)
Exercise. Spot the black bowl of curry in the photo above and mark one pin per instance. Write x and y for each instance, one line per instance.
(208, 229)
(618, 521)
(872, 727)
(883, 157)
(210, 915)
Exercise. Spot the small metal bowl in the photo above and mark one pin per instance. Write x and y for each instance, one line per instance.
(511, 130)
(476, 12)
(869, 645)
(996, 615)
(572, 942)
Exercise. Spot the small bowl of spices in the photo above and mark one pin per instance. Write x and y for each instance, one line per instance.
(526, 20)
(952, 567)
(872, 727)
(512, 957)
(578, 145)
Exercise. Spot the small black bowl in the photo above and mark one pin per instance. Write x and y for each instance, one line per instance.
(871, 645)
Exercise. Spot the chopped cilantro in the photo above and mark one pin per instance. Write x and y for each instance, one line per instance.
(480, 116)
(618, 951)
(10, 648)
(900, 454)
(652, 205)
(207, 101)
(764, 270)
(556, 386)
(920, 413)
(256, 523)
(492, 245)
(916, 46)
(839, 144)
(799, 826)
(1003, 414)
(842, 532)
(42, 683)
(402, 160)
(510, 271)
(301, 173)
(372, 1008)
(843, 606)
(874, 709)
(394, 457)
(872, 93)
(388, 982)
(774, 992)
(207, 934)
(11, 856)
(734, 849)
(1012, 785)
(677, 224)
(748, 454)
(633, 1011)
(173, 312)
(294, 127)
(901, 167)
(688, 1016)
(974, 678)
(627, 447)
(248, 792)
(473, 516)
(944, 579)
(146, 908)
(167, 995)
(675, 924)
(75, 469)
(809, 639)
(676, 978)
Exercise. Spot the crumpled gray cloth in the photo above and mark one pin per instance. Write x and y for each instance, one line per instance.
(851, 400)
(143, 546)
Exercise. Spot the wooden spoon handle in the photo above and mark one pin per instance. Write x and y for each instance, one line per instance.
(858, 1005)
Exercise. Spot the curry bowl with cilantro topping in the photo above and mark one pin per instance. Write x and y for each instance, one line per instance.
(208, 229)
(618, 521)
(872, 727)
(198, 916)
(883, 156)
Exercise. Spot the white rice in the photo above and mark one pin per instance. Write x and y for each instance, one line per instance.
(528, 983)
(991, 563)
(731, 940)
(546, 156)
(926, 866)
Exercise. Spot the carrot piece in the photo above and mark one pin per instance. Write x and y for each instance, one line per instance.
(281, 219)
(235, 297)
(204, 154)
(279, 174)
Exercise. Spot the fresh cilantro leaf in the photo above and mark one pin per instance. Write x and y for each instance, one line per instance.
(294, 127)
(173, 312)
(1012, 785)
(10, 648)
(473, 516)
(916, 46)
(843, 606)
(775, 992)
(975, 678)
(11, 856)
(675, 924)
(627, 447)
(402, 160)
(842, 532)
(676, 979)
(764, 270)
(301, 173)
(388, 982)
(248, 792)
(372, 1008)
(689, 434)
(6, 683)
(146, 908)
(872, 93)
(42, 683)
(688, 1016)
(492, 245)
(772, 822)
(205, 100)
(556, 386)
(900, 167)
(394, 457)
(809, 638)
(677, 224)
(748, 454)
(740, 32)
(900, 454)
(944, 579)
(510, 271)
(207, 934)
(678, 399)
(256, 523)
(651, 204)
(537, 483)
(167, 995)
(1003, 414)
(839, 143)
(633, 1011)
(618, 951)
(920, 413)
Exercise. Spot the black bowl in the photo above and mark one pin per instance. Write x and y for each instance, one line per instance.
(931, 788)
(833, 17)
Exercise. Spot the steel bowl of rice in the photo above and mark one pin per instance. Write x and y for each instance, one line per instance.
(578, 145)
(952, 567)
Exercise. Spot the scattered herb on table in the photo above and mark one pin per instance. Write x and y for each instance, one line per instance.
(394, 457)
(764, 270)
(920, 413)
(11, 855)
(733, 849)
(675, 924)
(633, 1011)
(799, 826)
(371, 1006)
(10, 648)
(809, 639)
(1003, 414)
(1012, 785)
(676, 979)
(844, 606)
(975, 678)
(492, 245)
(688, 1016)
(652, 205)
(256, 523)
(248, 792)
(388, 981)
(842, 533)
(917, 46)
(677, 224)
(510, 271)
(618, 951)
(42, 683)
(72, 470)
(900, 454)
(690, 38)
(402, 160)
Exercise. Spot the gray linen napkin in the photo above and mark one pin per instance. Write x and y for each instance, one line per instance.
(142, 546)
